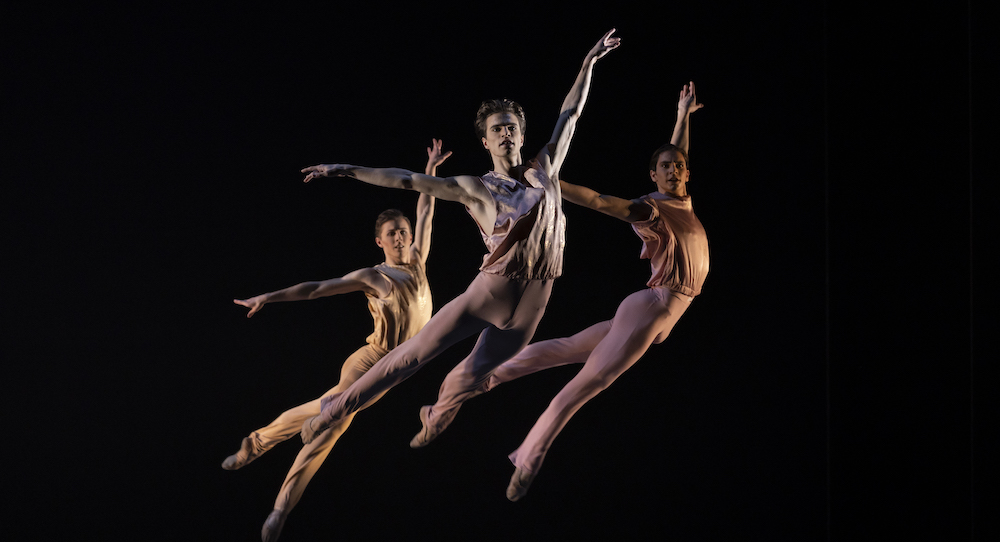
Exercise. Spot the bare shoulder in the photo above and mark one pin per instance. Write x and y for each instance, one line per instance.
(369, 280)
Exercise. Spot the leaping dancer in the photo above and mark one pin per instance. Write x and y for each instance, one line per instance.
(399, 300)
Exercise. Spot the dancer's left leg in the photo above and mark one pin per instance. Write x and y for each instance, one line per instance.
(643, 318)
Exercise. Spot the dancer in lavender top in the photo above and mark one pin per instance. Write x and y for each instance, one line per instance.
(517, 207)
(675, 243)
(399, 300)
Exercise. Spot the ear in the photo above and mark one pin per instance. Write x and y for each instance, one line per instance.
(378, 242)
(652, 175)
(485, 146)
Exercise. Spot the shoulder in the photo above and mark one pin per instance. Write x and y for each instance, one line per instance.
(374, 278)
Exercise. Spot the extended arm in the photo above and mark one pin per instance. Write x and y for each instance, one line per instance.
(425, 204)
(464, 189)
(687, 103)
(363, 280)
(622, 209)
(551, 157)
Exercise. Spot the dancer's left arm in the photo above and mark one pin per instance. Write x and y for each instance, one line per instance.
(551, 157)
(687, 103)
(425, 204)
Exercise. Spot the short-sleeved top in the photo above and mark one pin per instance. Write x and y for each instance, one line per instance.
(529, 235)
(406, 309)
(675, 243)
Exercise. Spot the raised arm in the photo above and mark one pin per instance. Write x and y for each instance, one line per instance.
(551, 157)
(622, 209)
(425, 204)
(365, 280)
(687, 103)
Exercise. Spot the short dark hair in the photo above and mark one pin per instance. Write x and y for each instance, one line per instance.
(665, 148)
(504, 105)
(386, 216)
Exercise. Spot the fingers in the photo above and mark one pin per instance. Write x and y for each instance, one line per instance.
(611, 42)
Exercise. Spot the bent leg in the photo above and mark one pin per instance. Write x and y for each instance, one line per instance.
(289, 422)
(642, 318)
(312, 455)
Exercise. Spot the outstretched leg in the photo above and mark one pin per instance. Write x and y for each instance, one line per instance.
(506, 311)
(459, 386)
(643, 318)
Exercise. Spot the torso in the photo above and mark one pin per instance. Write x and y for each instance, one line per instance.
(529, 234)
(401, 314)
(676, 244)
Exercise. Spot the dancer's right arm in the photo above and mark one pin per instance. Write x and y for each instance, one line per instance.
(465, 189)
(365, 280)
(620, 208)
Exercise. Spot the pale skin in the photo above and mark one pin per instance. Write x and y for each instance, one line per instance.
(398, 243)
(670, 176)
(503, 140)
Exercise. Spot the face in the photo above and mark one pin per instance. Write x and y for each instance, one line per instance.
(395, 240)
(503, 135)
(671, 175)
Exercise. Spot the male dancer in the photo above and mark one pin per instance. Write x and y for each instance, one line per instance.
(517, 207)
(399, 300)
(675, 242)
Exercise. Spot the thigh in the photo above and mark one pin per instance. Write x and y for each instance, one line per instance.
(642, 319)
(358, 364)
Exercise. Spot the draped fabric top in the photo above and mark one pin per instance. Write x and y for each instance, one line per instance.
(530, 231)
(406, 309)
(675, 243)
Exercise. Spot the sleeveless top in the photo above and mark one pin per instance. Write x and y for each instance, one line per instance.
(530, 230)
(675, 243)
(406, 309)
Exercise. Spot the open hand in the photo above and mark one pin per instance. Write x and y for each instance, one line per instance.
(687, 103)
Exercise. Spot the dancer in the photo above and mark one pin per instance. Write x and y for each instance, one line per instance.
(675, 242)
(399, 299)
(518, 209)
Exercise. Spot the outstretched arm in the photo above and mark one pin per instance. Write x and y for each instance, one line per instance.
(687, 103)
(622, 209)
(551, 157)
(363, 280)
(465, 189)
(425, 204)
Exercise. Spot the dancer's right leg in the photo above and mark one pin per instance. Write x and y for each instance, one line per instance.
(454, 322)
(512, 307)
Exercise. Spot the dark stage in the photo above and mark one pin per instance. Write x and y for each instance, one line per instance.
(827, 385)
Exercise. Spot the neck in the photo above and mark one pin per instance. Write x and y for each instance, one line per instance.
(390, 260)
(506, 164)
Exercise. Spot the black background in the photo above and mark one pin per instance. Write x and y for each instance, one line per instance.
(828, 384)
